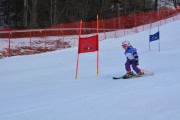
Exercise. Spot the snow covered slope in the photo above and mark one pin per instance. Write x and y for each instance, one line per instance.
(43, 86)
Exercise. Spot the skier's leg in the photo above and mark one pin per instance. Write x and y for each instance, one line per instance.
(128, 65)
(136, 69)
(128, 69)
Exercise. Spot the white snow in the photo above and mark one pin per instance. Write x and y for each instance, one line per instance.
(43, 86)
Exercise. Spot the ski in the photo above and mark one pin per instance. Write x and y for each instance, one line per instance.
(135, 76)
(146, 73)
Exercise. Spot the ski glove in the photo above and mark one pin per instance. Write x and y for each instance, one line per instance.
(136, 62)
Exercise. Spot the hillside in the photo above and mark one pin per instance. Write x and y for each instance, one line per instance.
(43, 86)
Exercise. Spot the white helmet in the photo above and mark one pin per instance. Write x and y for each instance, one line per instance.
(126, 43)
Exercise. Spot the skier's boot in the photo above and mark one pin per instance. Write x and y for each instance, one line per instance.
(140, 73)
(128, 75)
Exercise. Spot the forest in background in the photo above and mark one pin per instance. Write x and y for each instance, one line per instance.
(44, 13)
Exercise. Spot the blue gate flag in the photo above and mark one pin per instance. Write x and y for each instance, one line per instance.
(154, 37)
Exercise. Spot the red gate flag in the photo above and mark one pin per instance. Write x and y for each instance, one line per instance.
(88, 44)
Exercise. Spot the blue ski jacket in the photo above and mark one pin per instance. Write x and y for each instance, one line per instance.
(131, 53)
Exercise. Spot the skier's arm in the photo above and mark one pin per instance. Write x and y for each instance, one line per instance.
(134, 53)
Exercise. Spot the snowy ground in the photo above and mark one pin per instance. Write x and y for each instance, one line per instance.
(43, 86)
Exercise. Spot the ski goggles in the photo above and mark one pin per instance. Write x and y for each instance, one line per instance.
(124, 46)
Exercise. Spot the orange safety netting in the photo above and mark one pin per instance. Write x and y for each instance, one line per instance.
(122, 22)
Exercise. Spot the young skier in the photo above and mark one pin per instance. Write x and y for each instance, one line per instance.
(132, 59)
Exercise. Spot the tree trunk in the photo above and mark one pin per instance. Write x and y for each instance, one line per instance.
(175, 3)
(55, 12)
(156, 5)
(25, 13)
(33, 21)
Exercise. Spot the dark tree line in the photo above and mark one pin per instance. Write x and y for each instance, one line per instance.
(11, 12)
(42, 13)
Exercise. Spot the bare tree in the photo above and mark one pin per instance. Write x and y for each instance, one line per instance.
(33, 18)
(25, 17)
(53, 11)
(156, 4)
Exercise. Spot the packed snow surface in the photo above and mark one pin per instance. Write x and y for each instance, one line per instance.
(43, 86)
